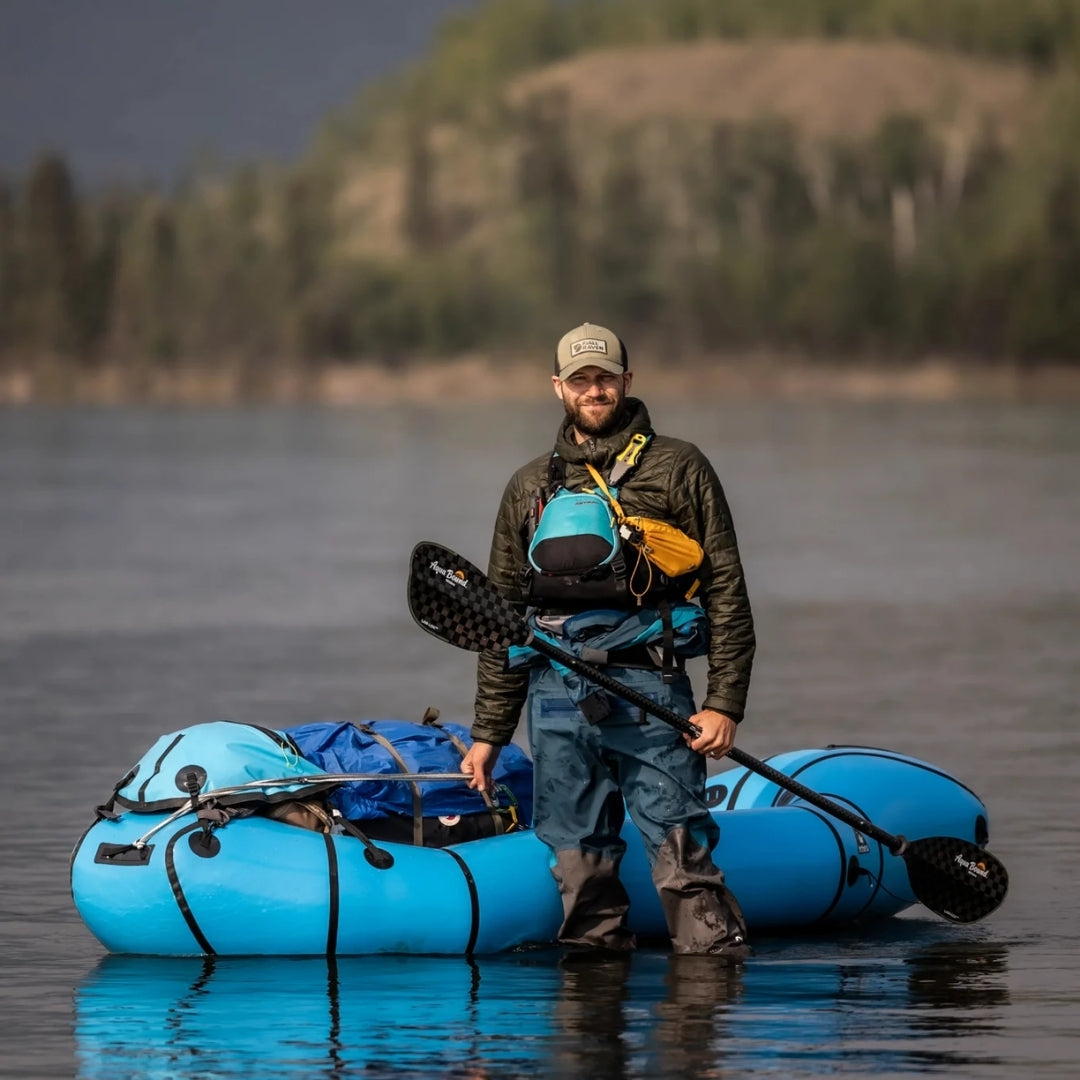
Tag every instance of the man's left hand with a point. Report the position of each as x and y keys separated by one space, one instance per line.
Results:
x=717 y=733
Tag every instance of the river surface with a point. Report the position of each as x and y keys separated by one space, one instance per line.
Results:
x=915 y=573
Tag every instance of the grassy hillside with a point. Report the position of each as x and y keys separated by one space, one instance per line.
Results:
x=671 y=99
x=830 y=90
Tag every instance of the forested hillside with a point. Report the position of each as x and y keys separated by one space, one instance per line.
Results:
x=858 y=179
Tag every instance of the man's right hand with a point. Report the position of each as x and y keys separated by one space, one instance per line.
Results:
x=479 y=761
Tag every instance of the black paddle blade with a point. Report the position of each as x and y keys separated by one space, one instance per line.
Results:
x=452 y=599
x=954 y=878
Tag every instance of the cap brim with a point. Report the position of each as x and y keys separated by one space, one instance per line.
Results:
x=591 y=360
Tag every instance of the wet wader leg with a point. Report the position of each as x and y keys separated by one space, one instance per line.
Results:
x=578 y=813
x=702 y=913
x=663 y=781
x=595 y=902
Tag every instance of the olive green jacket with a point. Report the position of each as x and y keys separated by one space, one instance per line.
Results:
x=673 y=481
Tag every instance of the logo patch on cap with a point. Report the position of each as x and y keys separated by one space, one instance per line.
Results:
x=588 y=345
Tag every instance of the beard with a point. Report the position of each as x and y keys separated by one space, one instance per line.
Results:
x=593 y=422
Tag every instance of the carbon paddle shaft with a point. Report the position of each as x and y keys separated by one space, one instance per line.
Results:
x=452 y=599
x=594 y=674
x=954 y=878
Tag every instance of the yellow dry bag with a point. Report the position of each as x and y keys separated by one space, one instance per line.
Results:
x=664 y=546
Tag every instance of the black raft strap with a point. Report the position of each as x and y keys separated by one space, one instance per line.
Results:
x=178 y=890
x=417 y=798
x=107 y=809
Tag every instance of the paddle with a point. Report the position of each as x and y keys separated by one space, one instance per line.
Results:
x=453 y=600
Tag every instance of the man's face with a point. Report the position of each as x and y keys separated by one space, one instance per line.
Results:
x=593 y=399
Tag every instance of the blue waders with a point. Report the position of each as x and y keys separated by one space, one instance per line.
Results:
x=583 y=771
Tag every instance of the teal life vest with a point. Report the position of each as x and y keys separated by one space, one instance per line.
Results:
x=577 y=558
x=576 y=551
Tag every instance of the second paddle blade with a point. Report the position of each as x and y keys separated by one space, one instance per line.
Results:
x=954 y=878
x=452 y=599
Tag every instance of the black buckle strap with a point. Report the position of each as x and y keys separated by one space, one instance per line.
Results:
x=668 y=660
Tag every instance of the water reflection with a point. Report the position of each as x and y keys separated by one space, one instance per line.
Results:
x=697 y=1021
x=958 y=986
x=792 y=1009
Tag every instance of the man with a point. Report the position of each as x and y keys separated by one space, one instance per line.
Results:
x=594 y=755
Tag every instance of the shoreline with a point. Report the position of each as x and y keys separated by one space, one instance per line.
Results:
x=478 y=378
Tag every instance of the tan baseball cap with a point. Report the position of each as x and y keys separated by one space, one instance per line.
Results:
x=590 y=345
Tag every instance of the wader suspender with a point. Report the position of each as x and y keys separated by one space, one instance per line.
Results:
x=431 y=719
x=667 y=662
x=417 y=798
x=556 y=478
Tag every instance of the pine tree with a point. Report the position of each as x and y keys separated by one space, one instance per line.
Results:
x=53 y=259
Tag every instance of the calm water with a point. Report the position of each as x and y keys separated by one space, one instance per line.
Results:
x=916 y=577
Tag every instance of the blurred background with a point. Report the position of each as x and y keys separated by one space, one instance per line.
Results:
x=842 y=239
x=218 y=202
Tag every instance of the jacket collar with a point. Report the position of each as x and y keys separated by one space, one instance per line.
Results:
x=601 y=453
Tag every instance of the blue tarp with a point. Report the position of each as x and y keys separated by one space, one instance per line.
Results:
x=344 y=748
